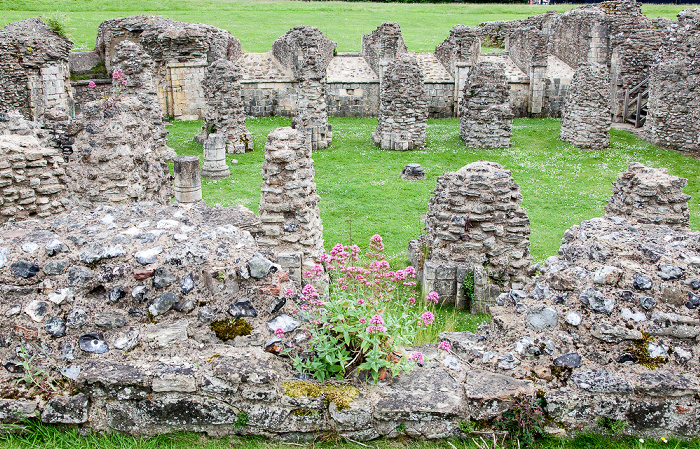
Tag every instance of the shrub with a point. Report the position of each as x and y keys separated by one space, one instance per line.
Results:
x=370 y=311
x=524 y=421
x=58 y=22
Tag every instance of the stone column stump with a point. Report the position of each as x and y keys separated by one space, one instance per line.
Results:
x=188 y=182
x=215 y=157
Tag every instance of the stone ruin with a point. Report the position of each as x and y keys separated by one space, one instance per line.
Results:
x=34 y=72
x=382 y=46
x=225 y=114
x=650 y=195
x=486 y=117
x=32 y=176
x=137 y=68
x=673 y=119
x=403 y=112
x=214 y=166
x=608 y=328
x=291 y=220
x=585 y=121
x=307 y=52
x=475 y=227
x=458 y=53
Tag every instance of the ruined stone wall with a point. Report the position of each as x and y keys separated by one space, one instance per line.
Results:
x=34 y=71
x=353 y=99
x=181 y=53
x=268 y=99
x=585 y=121
x=383 y=45
x=486 y=117
x=117 y=158
x=528 y=49
x=649 y=195
x=32 y=176
x=673 y=120
x=462 y=45
x=474 y=220
x=291 y=220
x=83 y=93
x=225 y=113
x=579 y=35
x=403 y=109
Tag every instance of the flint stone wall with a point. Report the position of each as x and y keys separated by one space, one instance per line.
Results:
x=34 y=70
x=486 y=117
x=403 y=110
x=585 y=122
x=674 y=107
x=649 y=195
x=116 y=159
x=224 y=112
x=291 y=220
x=474 y=221
x=528 y=49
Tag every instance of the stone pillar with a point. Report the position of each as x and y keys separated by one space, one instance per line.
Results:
x=224 y=113
x=585 y=121
x=188 y=183
x=458 y=53
x=291 y=220
x=403 y=107
x=215 y=157
x=307 y=52
x=474 y=226
x=486 y=116
x=382 y=46
x=650 y=195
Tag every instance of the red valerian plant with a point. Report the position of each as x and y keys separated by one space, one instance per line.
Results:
x=118 y=85
x=369 y=313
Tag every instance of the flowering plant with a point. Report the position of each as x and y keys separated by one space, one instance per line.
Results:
x=118 y=83
x=369 y=313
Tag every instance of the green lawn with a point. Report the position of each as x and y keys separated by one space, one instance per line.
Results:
x=362 y=193
x=258 y=23
x=51 y=437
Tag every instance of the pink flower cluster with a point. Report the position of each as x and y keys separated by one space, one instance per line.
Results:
x=418 y=357
x=426 y=319
x=444 y=345
x=376 y=328
x=279 y=332
x=433 y=297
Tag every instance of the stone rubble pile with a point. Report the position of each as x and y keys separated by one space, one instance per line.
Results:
x=674 y=106
x=307 y=52
x=403 y=109
x=650 y=195
x=291 y=220
x=486 y=117
x=586 y=120
x=475 y=227
x=224 y=112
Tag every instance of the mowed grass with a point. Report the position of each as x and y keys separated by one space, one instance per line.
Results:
x=42 y=436
x=362 y=193
x=258 y=23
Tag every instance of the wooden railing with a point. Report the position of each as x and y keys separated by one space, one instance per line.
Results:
x=635 y=107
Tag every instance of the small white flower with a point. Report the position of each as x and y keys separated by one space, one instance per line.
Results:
x=641 y=440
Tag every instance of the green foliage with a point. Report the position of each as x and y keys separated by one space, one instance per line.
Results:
x=468 y=287
x=341 y=395
x=613 y=426
x=524 y=421
x=34 y=377
x=401 y=428
x=241 y=420
x=58 y=22
x=97 y=72
x=467 y=426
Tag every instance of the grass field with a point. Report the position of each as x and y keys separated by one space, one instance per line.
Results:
x=51 y=437
x=258 y=23
x=362 y=193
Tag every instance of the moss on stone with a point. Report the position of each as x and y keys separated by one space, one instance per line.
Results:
x=641 y=351
x=342 y=396
x=229 y=329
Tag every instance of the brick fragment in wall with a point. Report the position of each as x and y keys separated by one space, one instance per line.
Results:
x=403 y=109
x=289 y=202
x=486 y=115
x=649 y=195
x=586 y=118
x=224 y=112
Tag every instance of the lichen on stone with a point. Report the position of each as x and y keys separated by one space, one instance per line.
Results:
x=640 y=349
